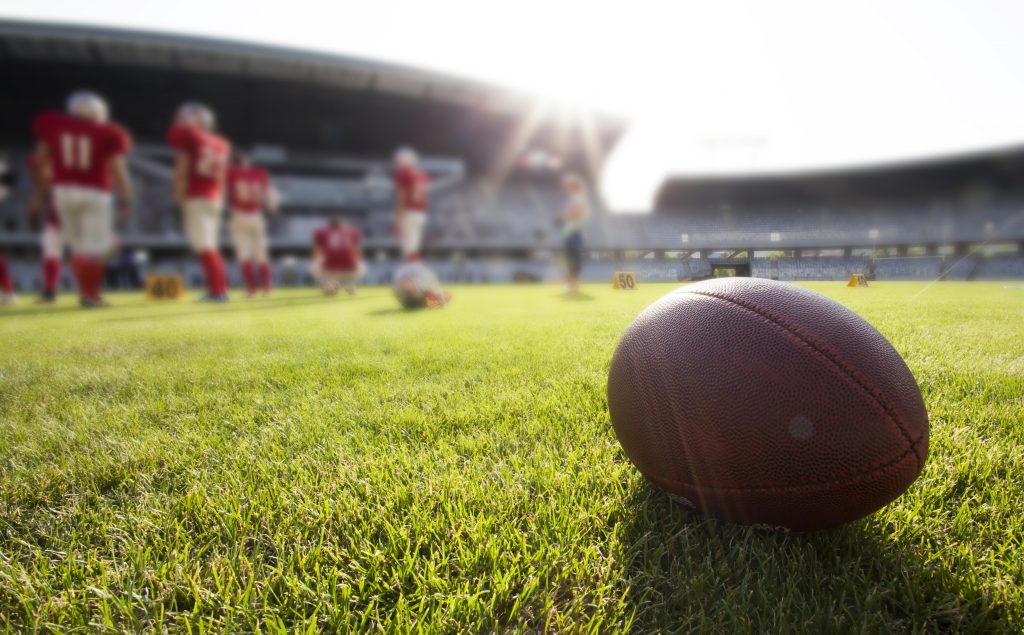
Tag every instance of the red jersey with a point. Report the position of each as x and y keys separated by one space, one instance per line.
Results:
x=339 y=247
x=48 y=211
x=247 y=189
x=81 y=150
x=413 y=185
x=207 y=160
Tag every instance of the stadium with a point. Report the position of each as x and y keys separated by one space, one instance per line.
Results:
x=342 y=464
x=494 y=210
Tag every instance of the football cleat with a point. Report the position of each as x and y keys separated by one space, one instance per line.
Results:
x=93 y=303
x=438 y=299
x=211 y=298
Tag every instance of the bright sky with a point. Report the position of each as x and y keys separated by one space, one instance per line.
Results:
x=708 y=86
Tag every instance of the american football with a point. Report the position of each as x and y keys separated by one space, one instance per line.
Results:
x=763 y=403
x=511 y=317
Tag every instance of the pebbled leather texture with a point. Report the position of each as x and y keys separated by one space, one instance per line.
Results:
x=760 y=402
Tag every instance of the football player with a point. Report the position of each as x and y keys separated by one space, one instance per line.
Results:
x=338 y=256
x=249 y=193
x=411 y=187
x=417 y=287
x=574 y=218
x=6 y=284
x=199 y=173
x=41 y=205
x=85 y=154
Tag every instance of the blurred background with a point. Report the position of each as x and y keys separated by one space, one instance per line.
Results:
x=786 y=140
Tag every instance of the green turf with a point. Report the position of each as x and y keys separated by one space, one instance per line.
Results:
x=303 y=463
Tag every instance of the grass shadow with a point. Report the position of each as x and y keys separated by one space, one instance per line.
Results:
x=394 y=311
x=683 y=572
x=41 y=310
x=237 y=306
x=576 y=297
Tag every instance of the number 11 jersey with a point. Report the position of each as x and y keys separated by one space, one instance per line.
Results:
x=81 y=150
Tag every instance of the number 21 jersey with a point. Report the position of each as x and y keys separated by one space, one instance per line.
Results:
x=207 y=160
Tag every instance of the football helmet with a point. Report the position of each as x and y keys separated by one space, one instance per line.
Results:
x=417 y=287
x=86 y=104
x=193 y=113
x=405 y=157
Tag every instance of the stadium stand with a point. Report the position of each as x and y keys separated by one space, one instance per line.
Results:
x=821 y=268
x=1003 y=267
x=924 y=268
x=963 y=268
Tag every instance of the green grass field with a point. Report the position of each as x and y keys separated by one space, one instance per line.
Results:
x=302 y=463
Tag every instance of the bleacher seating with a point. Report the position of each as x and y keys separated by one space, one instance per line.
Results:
x=767 y=228
x=915 y=268
x=961 y=268
x=1002 y=267
x=818 y=268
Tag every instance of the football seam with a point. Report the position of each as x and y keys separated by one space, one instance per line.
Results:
x=829 y=355
x=810 y=487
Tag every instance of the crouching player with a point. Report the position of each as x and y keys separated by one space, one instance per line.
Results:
x=249 y=193
x=417 y=287
x=85 y=153
x=41 y=205
x=338 y=256
x=199 y=174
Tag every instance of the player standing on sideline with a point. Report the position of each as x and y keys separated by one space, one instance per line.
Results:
x=249 y=193
x=411 y=186
x=338 y=256
x=199 y=173
x=41 y=205
x=574 y=217
x=85 y=154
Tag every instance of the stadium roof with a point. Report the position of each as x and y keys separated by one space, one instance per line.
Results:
x=27 y=41
x=56 y=58
x=988 y=173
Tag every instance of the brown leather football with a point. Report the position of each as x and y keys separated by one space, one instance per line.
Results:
x=759 y=402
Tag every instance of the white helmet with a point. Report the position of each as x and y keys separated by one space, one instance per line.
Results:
x=405 y=157
x=414 y=286
x=193 y=113
x=86 y=104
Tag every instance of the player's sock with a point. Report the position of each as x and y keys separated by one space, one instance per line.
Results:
x=78 y=271
x=51 y=274
x=6 y=284
x=222 y=274
x=88 y=274
x=249 y=276
x=265 y=278
x=97 y=269
x=206 y=259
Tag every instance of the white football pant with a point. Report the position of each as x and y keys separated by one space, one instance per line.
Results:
x=202 y=223
x=331 y=280
x=410 y=232
x=249 y=235
x=50 y=241
x=86 y=216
